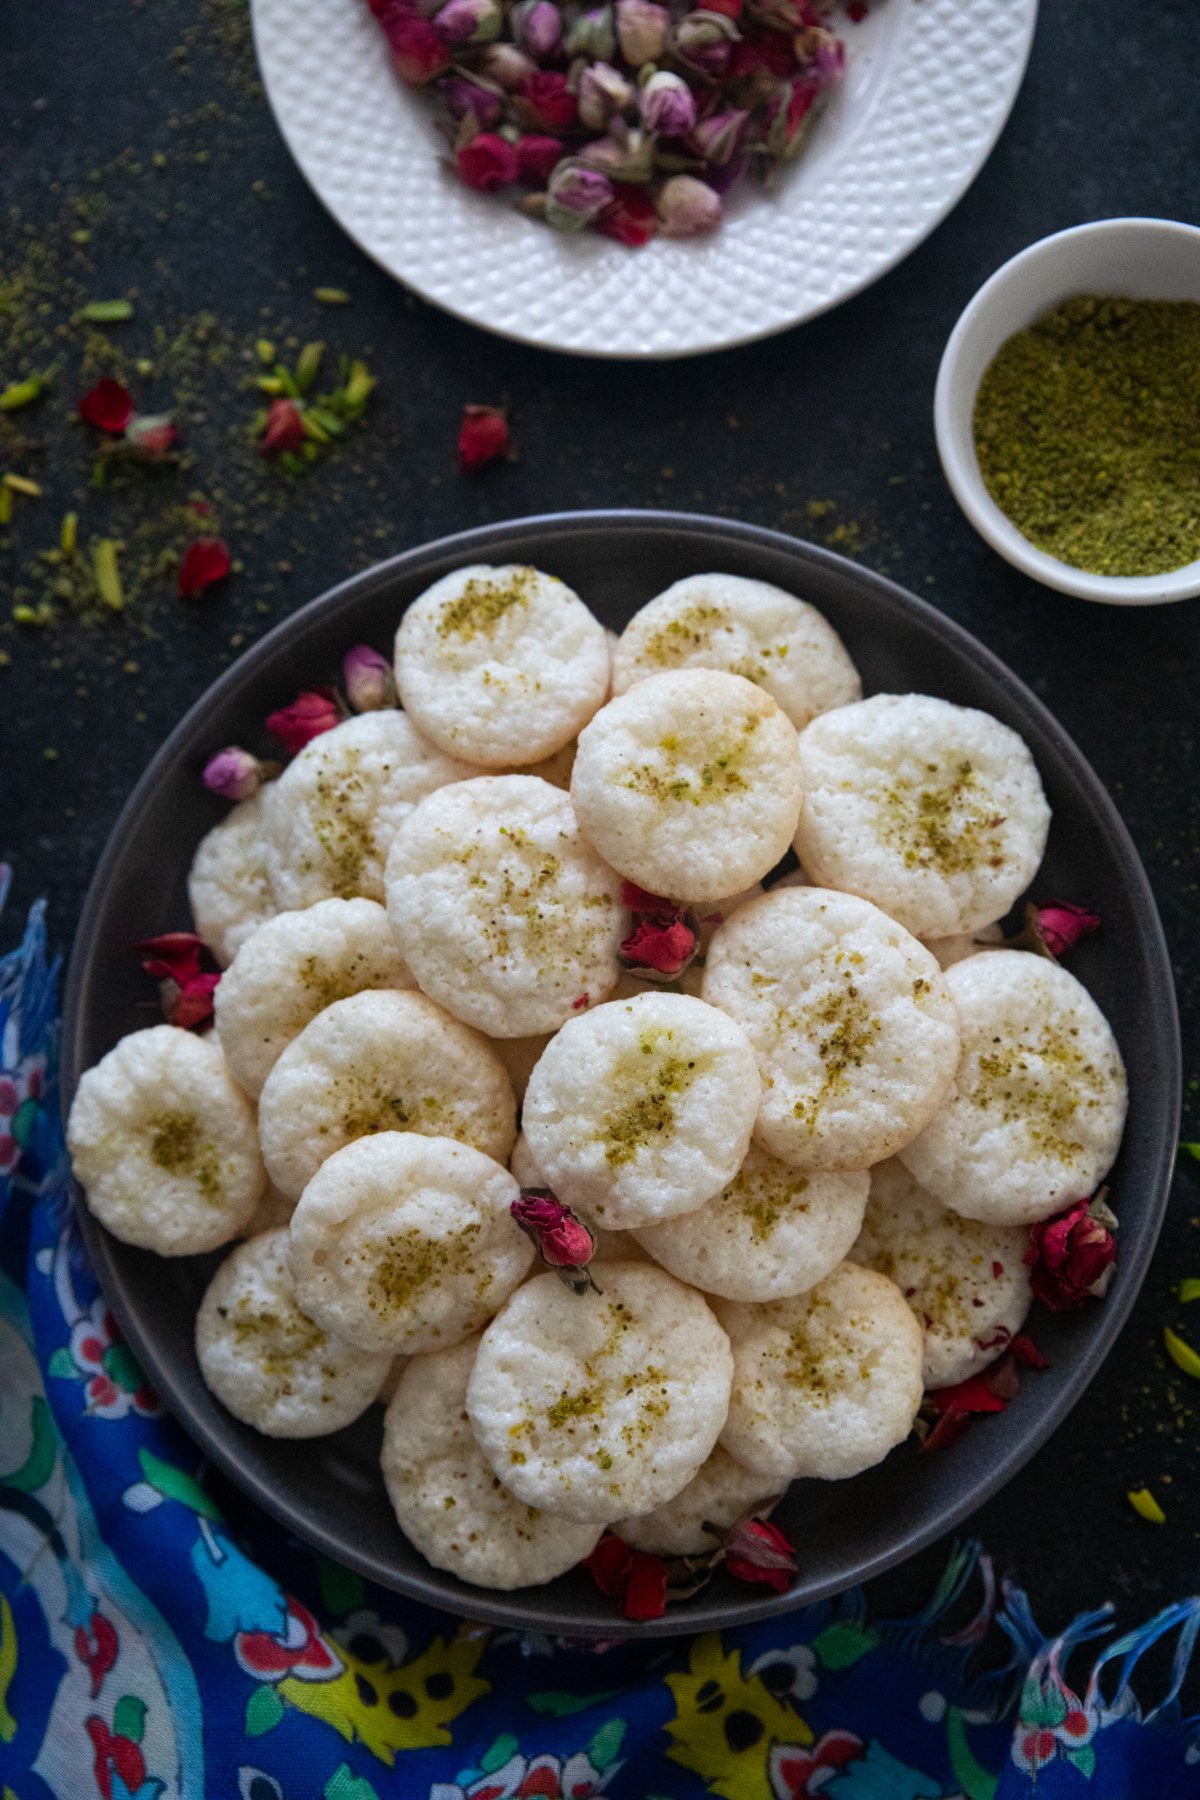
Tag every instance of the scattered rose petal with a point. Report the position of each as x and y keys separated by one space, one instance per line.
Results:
x=192 y=1004
x=1071 y=1258
x=482 y=436
x=637 y=1582
x=759 y=1552
x=108 y=406
x=204 y=562
x=185 y=989
x=988 y=1392
x=307 y=717
x=284 y=429
x=1027 y=1352
x=235 y=774
x=369 y=681
x=563 y=1241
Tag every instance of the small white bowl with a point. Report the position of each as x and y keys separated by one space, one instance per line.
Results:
x=1136 y=259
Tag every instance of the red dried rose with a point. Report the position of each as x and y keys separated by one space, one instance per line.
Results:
x=185 y=988
x=307 y=717
x=549 y=103
x=487 y=163
x=758 y=1552
x=637 y=1582
x=418 y=52
x=631 y=216
x=482 y=437
x=769 y=50
x=109 y=406
x=536 y=157
x=1027 y=1352
x=1061 y=925
x=204 y=562
x=988 y=1392
x=151 y=437
x=563 y=1241
x=1070 y=1258
x=665 y=946
x=284 y=429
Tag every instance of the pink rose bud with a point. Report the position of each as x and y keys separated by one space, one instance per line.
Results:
x=603 y=93
x=487 y=163
x=537 y=157
x=464 y=96
x=151 y=436
x=563 y=1242
x=624 y=156
x=418 y=51
x=235 y=774
x=641 y=31
x=469 y=21
x=1061 y=925
x=758 y=1552
x=704 y=41
x=688 y=207
x=823 y=53
x=368 y=678
x=507 y=66
x=593 y=34
x=537 y=26
x=1071 y=1258
x=787 y=116
x=307 y=717
x=667 y=105
x=284 y=429
x=721 y=136
x=575 y=196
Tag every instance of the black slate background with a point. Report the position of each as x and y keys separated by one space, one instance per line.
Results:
x=836 y=411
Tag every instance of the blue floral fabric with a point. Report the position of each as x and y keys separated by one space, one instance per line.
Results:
x=158 y=1641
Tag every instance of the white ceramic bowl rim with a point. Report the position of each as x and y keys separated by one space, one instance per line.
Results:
x=954 y=403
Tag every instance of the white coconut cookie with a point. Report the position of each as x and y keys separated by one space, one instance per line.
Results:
x=164 y=1144
x=229 y=889
x=381 y=1061
x=266 y=1361
x=501 y=665
x=507 y=915
x=722 y=1493
x=611 y=1246
x=772 y=1232
x=600 y=1406
x=746 y=628
x=850 y=1018
x=403 y=1243
x=1035 y=1115
x=689 y=784
x=448 y=1502
x=824 y=1384
x=642 y=1108
x=331 y=817
x=967 y=1283
x=935 y=812
x=292 y=968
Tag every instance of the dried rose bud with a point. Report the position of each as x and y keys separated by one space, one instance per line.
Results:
x=688 y=207
x=537 y=158
x=150 y=436
x=563 y=1242
x=469 y=21
x=1071 y=1258
x=787 y=115
x=284 y=430
x=205 y=562
x=631 y=219
x=603 y=93
x=482 y=437
x=575 y=196
x=593 y=34
x=309 y=715
x=732 y=9
x=536 y=26
x=504 y=64
x=1060 y=925
x=185 y=989
x=641 y=31
x=668 y=106
x=635 y=1580
x=191 y=1005
x=704 y=41
x=419 y=53
x=763 y=53
x=665 y=946
x=487 y=163
x=822 y=52
x=108 y=406
x=547 y=102
x=368 y=679
x=758 y=1552
x=626 y=155
x=235 y=774
x=721 y=136
x=463 y=96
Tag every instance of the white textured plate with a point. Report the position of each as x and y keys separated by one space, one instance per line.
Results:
x=929 y=86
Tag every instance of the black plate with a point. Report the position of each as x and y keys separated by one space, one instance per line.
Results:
x=328 y=1490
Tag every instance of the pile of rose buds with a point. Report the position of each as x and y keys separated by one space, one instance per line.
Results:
x=632 y=118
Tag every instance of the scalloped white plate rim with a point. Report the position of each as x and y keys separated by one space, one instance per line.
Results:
x=584 y=271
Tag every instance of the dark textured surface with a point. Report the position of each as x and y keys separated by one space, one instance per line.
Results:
x=838 y=411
